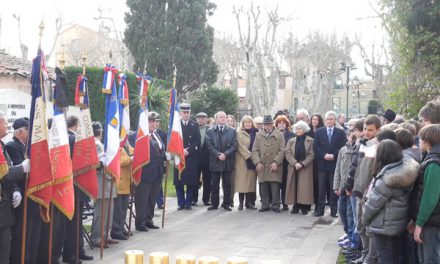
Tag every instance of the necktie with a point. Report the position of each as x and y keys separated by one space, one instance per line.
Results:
x=329 y=134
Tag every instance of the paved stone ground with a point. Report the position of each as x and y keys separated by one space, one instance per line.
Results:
x=282 y=237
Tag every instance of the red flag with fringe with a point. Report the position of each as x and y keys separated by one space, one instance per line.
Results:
x=39 y=187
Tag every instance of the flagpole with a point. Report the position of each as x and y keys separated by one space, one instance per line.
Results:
x=50 y=235
x=108 y=209
x=131 y=198
x=102 y=213
x=25 y=204
x=103 y=174
x=170 y=168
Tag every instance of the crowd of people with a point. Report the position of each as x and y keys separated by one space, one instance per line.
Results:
x=378 y=173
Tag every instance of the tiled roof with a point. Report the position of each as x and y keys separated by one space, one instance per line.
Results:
x=18 y=67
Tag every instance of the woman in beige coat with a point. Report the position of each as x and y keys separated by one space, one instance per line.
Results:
x=245 y=175
x=299 y=153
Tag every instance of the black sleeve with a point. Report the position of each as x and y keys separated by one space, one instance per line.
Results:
x=14 y=153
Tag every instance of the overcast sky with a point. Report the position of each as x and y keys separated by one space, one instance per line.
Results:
x=341 y=16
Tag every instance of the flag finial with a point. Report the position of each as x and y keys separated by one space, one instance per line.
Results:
x=61 y=59
x=41 y=32
x=84 y=60
x=174 y=75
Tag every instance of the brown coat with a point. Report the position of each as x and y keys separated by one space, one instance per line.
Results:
x=266 y=151
x=123 y=188
x=305 y=174
x=245 y=179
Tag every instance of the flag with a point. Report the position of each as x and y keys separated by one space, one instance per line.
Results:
x=81 y=92
x=62 y=188
x=175 y=136
x=39 y=187
x=112 y=160
x=124 y=109
x=141 y=155
x=4 y=168
x=143 y=90
x=60 y=92
x=85 y=158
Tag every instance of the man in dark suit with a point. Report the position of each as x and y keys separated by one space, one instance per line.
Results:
x=71 y=227
x=327 y=143
x=148 y=189
x=203 y=161
x=191 y=145
x=222 y=144
x=16 y=149
x=10 y=196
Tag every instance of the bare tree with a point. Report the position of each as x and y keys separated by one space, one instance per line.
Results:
x=314 y=67
x=23 y=47
x=258 y=38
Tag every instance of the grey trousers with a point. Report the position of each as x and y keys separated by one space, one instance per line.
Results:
x=267 y=189
x=119 y=214
x=145 y=199
x=98 y=217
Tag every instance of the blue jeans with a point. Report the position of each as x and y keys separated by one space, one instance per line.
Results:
x=355 y=239
x=346 y=214
x=429 y=251
x=387 y=248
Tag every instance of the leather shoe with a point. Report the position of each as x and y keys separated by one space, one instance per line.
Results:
x=276 y=210
x=151 y=226
x=212 y=208
x=317 y=214
x=334 y=215
x=181 y=207
x=263 y=210
x=125 y=232
x=227 y=208
x=194 y=203
x=71 y=261
x=142 y=229
x=84 y=256
x=285 y=207
x=96 y=245
x=119 y=237
x=188 y=208
x=251 y=207
x=160 y=207
x=207 y=203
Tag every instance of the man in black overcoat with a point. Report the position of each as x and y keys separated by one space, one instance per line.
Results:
x=222 y=144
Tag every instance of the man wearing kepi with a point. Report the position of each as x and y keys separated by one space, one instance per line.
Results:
x=268 y=155
x=10 y=196
x=191 y=145
x=222 y=144
x=16 y=149
x=147 y=191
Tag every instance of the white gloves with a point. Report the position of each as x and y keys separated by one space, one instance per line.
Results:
x=16 y=199
x=168 y=155
x=26 y=166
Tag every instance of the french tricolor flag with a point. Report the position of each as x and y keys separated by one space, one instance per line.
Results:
x=175 y=136
x=112 y=126
x=141 y=155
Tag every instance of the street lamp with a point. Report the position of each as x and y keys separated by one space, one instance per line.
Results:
x=355 y=83
x=347 y=67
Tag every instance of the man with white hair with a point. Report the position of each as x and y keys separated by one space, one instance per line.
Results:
x=328 y=141
x=302 y=114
